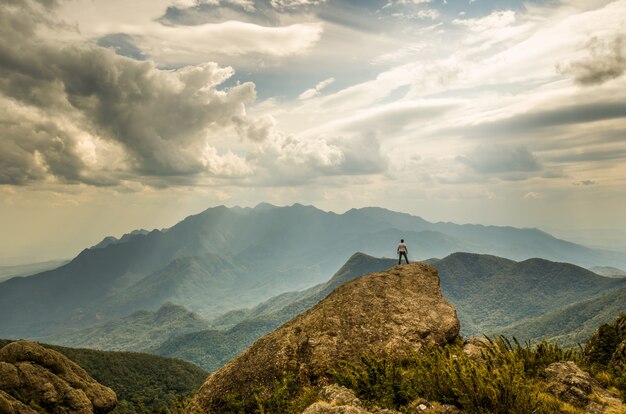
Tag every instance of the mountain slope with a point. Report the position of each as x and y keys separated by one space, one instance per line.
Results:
x=491 y=292
x=572 y=324
x=211 y=349
x=264 y=251
x=608 y=271
x=137 y=332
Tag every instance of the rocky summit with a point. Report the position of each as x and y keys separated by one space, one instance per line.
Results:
x=35 y=379
x=396 y=311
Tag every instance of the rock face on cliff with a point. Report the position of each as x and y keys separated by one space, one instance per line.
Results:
x=395 y=311
x=34 y=376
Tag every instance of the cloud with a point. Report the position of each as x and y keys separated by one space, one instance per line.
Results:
x=606 y=60
x=244 y=33
x=176 y=45
x=495 y=20
x=533 y=195
x=310 y=93
x=295 y=4
x=291 y=160
x=508 y=163
x=84 y=114
x=586 y=183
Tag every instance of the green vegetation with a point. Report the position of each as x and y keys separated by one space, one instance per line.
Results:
x=605 y=355
x=137 y=332
x=491 y=293
x=572 y=324
x=505 y=380
x=285 y=397
x=143 y=383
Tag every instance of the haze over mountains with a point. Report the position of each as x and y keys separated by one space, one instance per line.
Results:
x=490 y=293
x=227 y=259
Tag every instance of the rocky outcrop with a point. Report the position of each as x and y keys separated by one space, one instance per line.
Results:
x=476 y=348
x=335 y=399
x=397 y=311
x=574 y=386
x=31 y=375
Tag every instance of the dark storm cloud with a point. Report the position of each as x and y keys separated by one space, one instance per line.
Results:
x=159 y=119
x=606 y=60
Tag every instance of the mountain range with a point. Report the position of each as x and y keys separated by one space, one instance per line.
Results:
x=227 y=259
x=531 y=300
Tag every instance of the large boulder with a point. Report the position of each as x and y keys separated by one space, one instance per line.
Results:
x=574 y=386
x=31 y=375
x=397 y=311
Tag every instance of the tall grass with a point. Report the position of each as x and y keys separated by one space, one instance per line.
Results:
x=503 y=381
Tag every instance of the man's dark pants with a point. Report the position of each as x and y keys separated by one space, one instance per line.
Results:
x=400 y=254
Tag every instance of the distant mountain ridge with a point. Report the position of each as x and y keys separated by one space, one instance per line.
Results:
x=492 y=292
x=136 y=332
x=112 y=240
x=224 y=259
x=487 y=292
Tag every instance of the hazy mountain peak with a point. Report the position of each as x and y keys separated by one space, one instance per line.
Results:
x=109 y=240
x=265 y=207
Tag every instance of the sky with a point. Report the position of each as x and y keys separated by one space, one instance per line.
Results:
x=118 y=115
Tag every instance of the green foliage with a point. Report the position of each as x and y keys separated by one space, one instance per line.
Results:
x=602 y=345
x=286 y=396
x=600 y=350
x=375 y=378
x=504 y=380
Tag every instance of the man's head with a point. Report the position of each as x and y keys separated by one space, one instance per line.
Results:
x=401 y=240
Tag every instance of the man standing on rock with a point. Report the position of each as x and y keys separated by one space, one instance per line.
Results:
x=402 y=251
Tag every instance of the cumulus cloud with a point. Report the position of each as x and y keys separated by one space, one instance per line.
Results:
x=291 y=160
x=84 y=114
x=606 y=60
